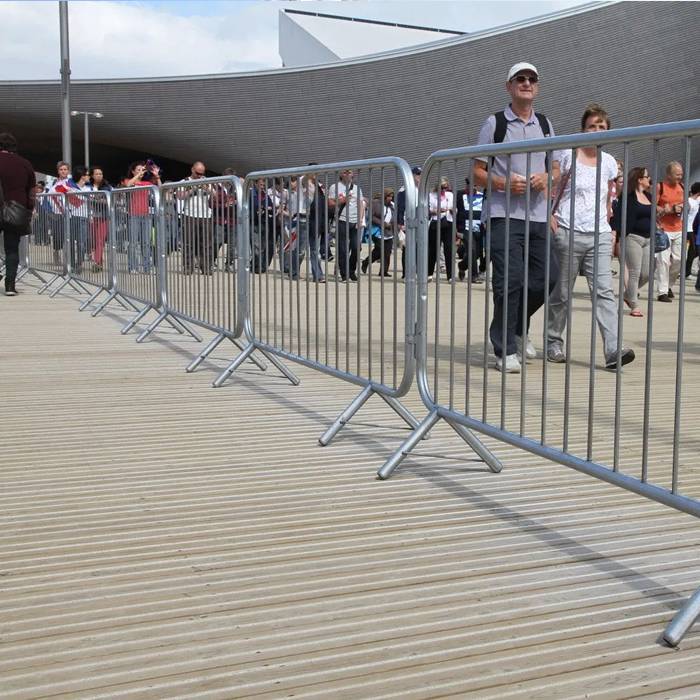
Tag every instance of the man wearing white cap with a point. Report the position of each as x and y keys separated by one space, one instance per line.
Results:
x=517 y=122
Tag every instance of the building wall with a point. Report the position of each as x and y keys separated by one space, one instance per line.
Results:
x=408 y=105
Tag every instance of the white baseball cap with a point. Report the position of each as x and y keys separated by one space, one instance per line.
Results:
x=519 y=67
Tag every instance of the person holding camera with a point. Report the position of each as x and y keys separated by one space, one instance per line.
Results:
x=141 y=174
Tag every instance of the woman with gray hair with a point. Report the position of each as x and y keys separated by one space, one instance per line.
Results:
x=18 y=191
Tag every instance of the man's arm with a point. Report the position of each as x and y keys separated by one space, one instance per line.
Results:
x=518 y=184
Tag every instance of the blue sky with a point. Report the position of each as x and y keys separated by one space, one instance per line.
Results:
x=113 y=39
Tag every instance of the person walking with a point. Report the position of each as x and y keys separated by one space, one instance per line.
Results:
x=517 y=122
x=345 y=198
x=99 y=218
x=584 y=244
x=382 y=232
x=670 y=197
x=18 y=191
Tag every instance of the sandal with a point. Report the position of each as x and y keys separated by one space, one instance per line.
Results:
x=636 y=313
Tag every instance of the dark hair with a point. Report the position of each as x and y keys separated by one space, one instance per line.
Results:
x=594 y=110
x=695 y=188
x=8 y=142
x=92 y=177
x=78 y=172
x=633 y=177
x=229 y=171
x=132 y=167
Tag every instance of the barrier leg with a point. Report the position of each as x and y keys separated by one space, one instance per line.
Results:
x=78 y=287
x=683 y=621
x=63 y=284
x=136 y=319
x=481 y=450
x=205 y=353
x=414 y=438
x=281 y=367
x=400 y=410
x=21 y=273
x=126 y=303
x=90 y=299
x=144 y=334
x=49 y=283
x=182 y=327
x=233 y=366
x=36 y=274
x=355 y=405
x=258 y=363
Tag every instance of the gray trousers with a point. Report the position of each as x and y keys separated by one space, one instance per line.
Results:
x=637 y=250
x=583 y=261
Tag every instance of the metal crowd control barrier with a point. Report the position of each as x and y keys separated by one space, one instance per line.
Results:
x=314 y=298
x=532 y=402
x=203 y=278
x=48 y=244
x=138 y=258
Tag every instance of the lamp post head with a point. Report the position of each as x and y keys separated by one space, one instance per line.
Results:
x=98 y=115
x=74 y=113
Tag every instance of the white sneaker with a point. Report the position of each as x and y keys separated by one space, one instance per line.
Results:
x=530 y=352
x=510 y=365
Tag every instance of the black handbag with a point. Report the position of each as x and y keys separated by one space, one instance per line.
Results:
x=13 y=216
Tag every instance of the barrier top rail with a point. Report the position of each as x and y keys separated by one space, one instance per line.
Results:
x=690 y=127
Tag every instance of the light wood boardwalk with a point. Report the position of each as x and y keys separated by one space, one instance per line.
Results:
x=163 y=539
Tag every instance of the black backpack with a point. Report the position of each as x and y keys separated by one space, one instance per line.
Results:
x=499 y=133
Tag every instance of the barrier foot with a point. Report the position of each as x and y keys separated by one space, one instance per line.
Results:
x=400 y=410
x=126 y=303
x=258 y=363
x=181 y=327
x=233 y=366
x=136 y=319
x=144 y=334
x=36 y=274
x=90 y=299
x=683 y=621
x=481 y=450
x=49 y=283
x=78 y=287
x=205 y=353
x=414 y=438
x=21 y=273
x=280 y=366
x=63 y=284
x=355 y=405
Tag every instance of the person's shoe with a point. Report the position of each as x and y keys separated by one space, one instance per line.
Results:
x=353 y=277
x=365 y=265
x=530 y=352
x=478 y=280
x=462 y=274
x=510 y=364
x=556 y=354
x=664 y=297
x=670 y=293
x=626 y=356
x=320 y=280
x=430 y=279
x=386 y=273
x=10 y=290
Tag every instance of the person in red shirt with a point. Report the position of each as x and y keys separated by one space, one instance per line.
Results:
x=18 y=185
x=670 y=197
x=141 y=220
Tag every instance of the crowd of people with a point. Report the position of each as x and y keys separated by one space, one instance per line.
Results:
x=325 y=220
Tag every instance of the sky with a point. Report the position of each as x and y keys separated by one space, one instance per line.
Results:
x=133 y=39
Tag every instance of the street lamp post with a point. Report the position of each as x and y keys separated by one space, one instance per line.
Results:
x=86 y=121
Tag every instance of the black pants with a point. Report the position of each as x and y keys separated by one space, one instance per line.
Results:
x=388 y=244
x=436 y=236
x=347 y=243
x=692 y=254
x=58 y=225
x=477 y=252
x=539 y=240
x=196 y=243
x=11 y=241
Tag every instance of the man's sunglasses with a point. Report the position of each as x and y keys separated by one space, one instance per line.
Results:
x=532 y=79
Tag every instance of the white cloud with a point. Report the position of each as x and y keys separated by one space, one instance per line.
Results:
x=111 y=39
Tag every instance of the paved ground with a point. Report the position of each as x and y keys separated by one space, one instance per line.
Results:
x=164 y=539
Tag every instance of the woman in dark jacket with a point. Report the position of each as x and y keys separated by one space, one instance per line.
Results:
x=99 y=223
x=18 y=185
x=383 y=221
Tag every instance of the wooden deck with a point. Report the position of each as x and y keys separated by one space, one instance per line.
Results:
x=162 y=539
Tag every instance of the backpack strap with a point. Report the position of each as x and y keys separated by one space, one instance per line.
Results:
x=499 y=133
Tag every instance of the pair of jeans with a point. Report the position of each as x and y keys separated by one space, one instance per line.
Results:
x=79 y=241
x=346 y=250
x=637 y=251
x=225 y=234
x=378 y=244
x=575 y=256
x=262 y=243
x=306 y=239
x=511 y=290
x=139 y=251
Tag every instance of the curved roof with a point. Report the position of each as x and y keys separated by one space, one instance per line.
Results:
x=407 y=102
